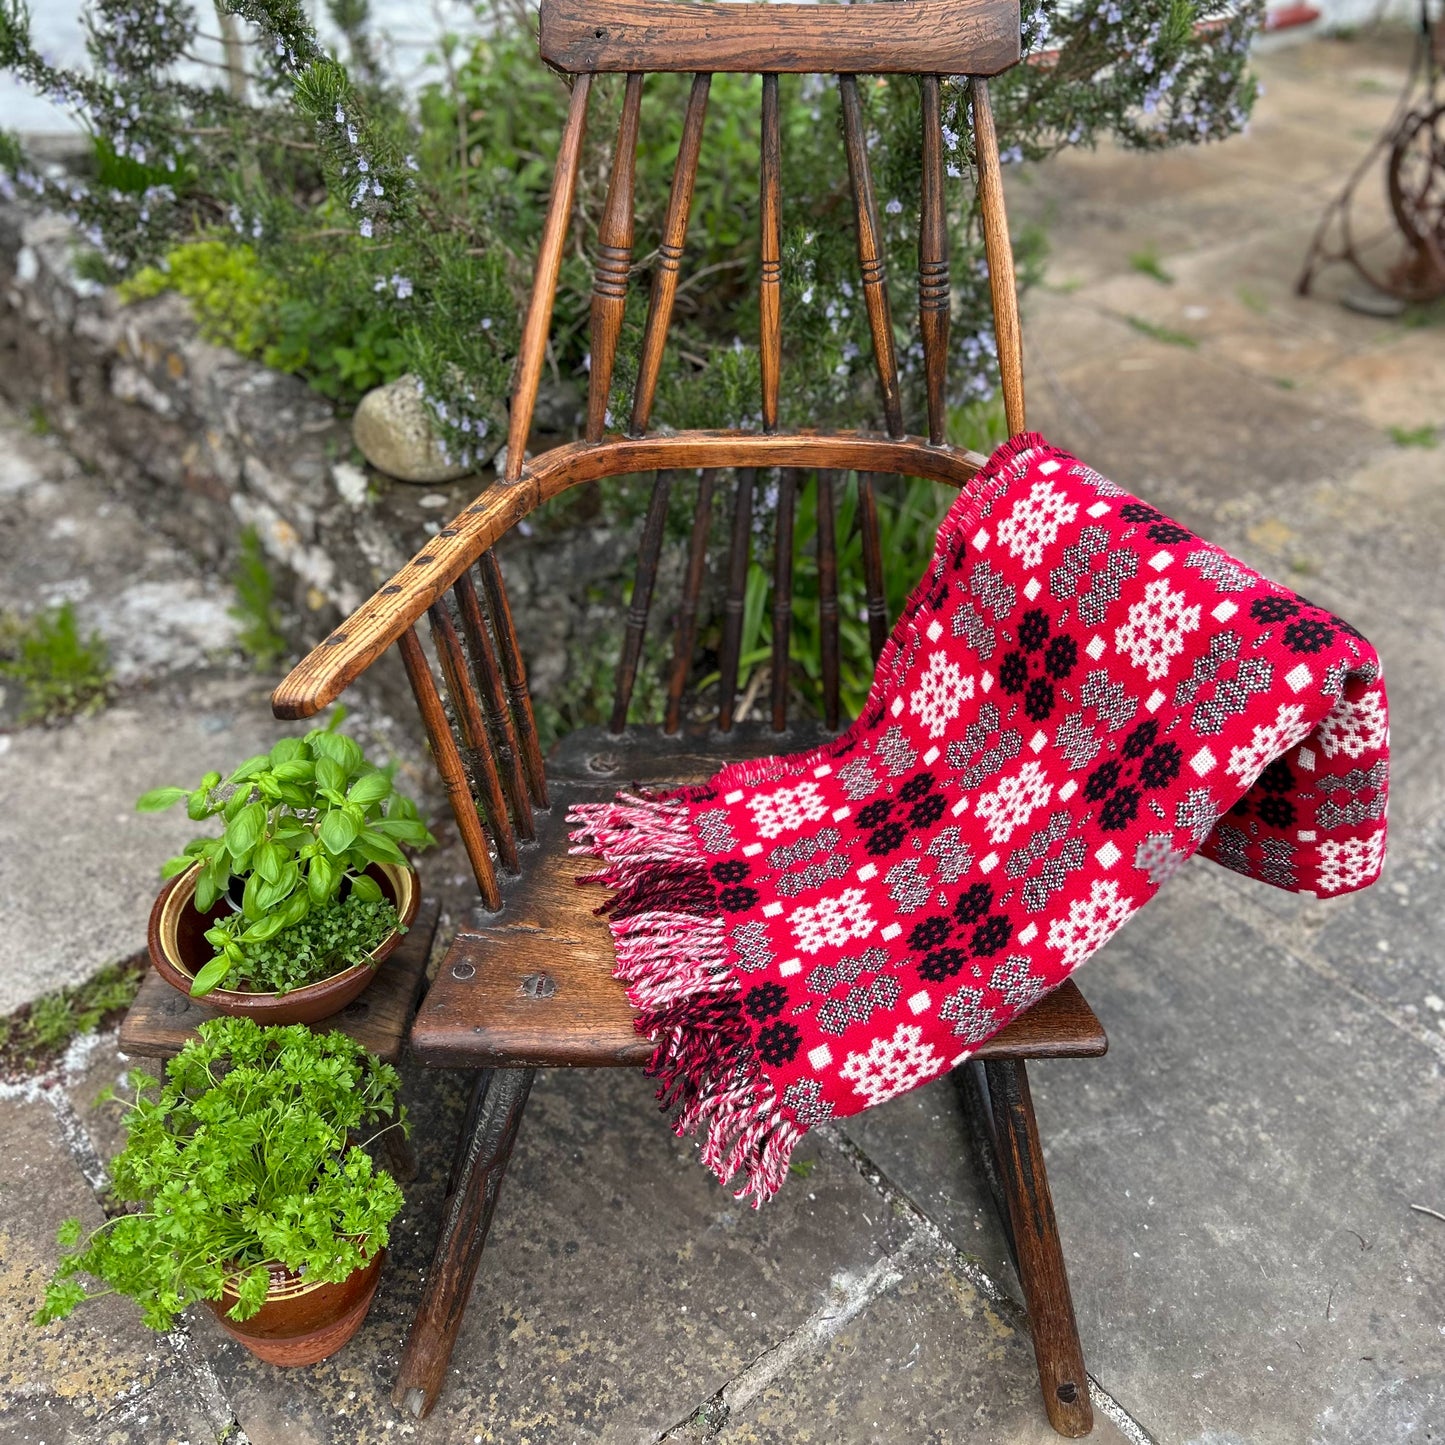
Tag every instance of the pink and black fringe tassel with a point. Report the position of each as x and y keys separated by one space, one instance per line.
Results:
x=672 y=953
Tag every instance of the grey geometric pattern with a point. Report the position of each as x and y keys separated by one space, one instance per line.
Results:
x=1008 y=746
x=1334 y=679
x=1020 y=859
x=968 y=622
x=859 y=1006
x=1119 y=566
x=1354 y=809
x=1050 y=878
x=894 y=752
x=1097 y=480
x=964 y=1009
x=975 y=735
x=858 y=779
x=1253 y=675
x=1226 y=574
x=1109 y=699
x=1064 y=579
x=1223 y=646
x=814 y=876
x=954 y=856
x=1076 y=741
x=1014 y=981
x=907 y=887
x=1277 y=866
x=826 y=977
x=993 y=593
x=801 y=1096
x=715 y=831
x=786 y=855
x=1232 y=847
x=1157 y=857
x=1197 y=812
x=751 y=942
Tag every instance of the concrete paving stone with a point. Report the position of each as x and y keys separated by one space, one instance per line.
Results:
x=1235 y=1181
x=1401 y=384
x=930 y=1362
x=620 y=1287
x=60 y=921
x=100 y=1367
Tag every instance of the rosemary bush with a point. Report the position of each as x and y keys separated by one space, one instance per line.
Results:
x=244 y=1159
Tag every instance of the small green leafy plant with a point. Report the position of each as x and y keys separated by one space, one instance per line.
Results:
x=300 y=821
x=255 y=606
x=61 y=673
x=37 y=1033
x=329 y=939
x=244 y=1160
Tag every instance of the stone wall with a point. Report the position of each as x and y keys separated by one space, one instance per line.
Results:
x=203 y=442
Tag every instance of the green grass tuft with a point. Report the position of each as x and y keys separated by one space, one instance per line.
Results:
x=1419 y=436
x=1147 y=263
x=1166 y=334
x=61 y=673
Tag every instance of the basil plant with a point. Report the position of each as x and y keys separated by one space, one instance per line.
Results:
x=300 y=821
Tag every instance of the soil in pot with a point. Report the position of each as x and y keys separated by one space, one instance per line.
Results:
x=178 y=951
x=300 y=1324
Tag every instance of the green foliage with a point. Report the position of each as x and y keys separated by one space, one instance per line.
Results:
x=1147 y=263
x=298 y=822
x=61 y=673
x=1167 y=334
x=244 y=1159
x=34 y=1035
x=229 y=292
x=255 y=606
x=1417 y=436
x=329 y=940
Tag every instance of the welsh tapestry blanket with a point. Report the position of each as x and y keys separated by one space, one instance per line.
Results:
x=1078 y=696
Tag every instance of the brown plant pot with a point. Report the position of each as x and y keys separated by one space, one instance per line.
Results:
x=179 y=950
x=300 y=1324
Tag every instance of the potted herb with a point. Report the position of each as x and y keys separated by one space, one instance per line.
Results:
x=247 y=1190
x=285 y=916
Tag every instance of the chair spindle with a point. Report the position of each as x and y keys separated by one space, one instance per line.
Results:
x=687 y=607
x=488 y=675
x=669 y=256
x=533 y=349
x=934 y=291
x=473 y=728
x=872 y=565
x=614 y=260
x=770 y=289
x=499 y=614
x=783 y=594
x=828 y=599
x=1000 y=256
x=870 y=254
x=449 y=766
x=730 y=653
x=637 y=610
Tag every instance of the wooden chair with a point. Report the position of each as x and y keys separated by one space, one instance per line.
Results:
x=529 y=983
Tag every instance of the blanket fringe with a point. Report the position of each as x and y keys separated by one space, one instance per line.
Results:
x=672 y=953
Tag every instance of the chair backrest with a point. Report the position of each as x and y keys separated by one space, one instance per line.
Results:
x=487 y=751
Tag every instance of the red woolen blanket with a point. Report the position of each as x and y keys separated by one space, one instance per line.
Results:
x=1078 y=696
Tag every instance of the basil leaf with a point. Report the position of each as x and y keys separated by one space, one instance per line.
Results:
x=159 y=799
x=211 y=976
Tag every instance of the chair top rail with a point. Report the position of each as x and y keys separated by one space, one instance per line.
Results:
x=918 y=37
x=328 y=669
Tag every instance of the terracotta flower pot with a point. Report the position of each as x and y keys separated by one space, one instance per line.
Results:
x=302 y=1323
x=179 y=950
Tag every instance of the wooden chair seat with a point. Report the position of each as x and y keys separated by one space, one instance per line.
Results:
x=532 y=985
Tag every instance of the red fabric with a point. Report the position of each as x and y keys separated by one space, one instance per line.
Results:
x=1079 y=695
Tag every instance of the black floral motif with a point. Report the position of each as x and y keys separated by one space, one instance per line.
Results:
x=1272 y=609
x=886 y=839
x=875 y=813
x=973 y=903
x=730 y=870
x=916 y=787
x=1306 y=634
x=738 y=898
x=1141 y=739
x=943 y=963
x=1039 y=699
x=927 y=811
x=1139 y=512
x=1034 y=629
x=1168 y=533
x=1120 y=810
x=1276 y=778
x=1013 y=673
x=1162 y=766
x=991 y=935
x=766 y=1000
x=778 y=1043
x=1061 y=657
x=1275 y=810
x=930 y=932
x=1102 y=781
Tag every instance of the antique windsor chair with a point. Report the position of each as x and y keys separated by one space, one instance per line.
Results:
x=528 y=982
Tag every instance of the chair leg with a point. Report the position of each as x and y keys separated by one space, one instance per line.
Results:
x=484 y=1148
x=1038 y=1252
